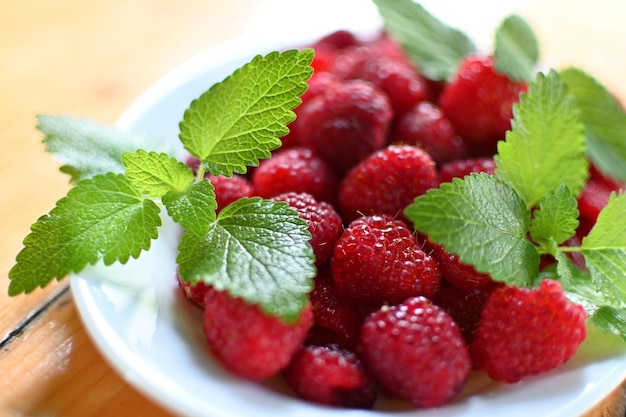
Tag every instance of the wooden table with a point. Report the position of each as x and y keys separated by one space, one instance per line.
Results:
x=92 y=59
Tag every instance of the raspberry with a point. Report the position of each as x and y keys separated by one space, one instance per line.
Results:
x=325 y=225
x=452 y=270
x=248 y=342
x=332 y=376
x=594 y=196
x=295 y=170
x=386 y=182
x=346 y=123
x=230 y=189
x=416 y=352
x=404 y=86
x=464 y=305
x=318 y=83
x=462 y=167
x=478 y=101
x=193 y=292
x=339 y=39
x=336 y=319
x=424 y=125
x=377 y=260
x=526 y=332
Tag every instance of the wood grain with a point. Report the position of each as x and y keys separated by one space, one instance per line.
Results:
x=92 y=59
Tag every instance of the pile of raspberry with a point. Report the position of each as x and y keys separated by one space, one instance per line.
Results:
x=392 y=314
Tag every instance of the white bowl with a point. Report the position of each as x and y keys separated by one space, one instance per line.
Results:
x=153 y=337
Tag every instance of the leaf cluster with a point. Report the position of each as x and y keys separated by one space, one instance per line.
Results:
x=255 y=249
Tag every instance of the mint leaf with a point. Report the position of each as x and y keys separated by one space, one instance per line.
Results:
x=556 y=218
x=516 y=51
x=607 y=316
x=604 y=119
x=604 y=249
x=610 y=319
x=87 y=148
x=100 y=218
x=240 y=120
x=483 y=221
x=435 y=47
x=156 y=174
x=193 y=208
x=546 y=146
x=257 y=250
x=564 y=267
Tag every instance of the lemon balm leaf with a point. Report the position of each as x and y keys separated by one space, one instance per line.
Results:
x=604 y=119
x=434 y=46
x=87 y=148
x=607 y=315
x=156 y=174
x=240 y=120
x=546 y=144
x=516 y=50
x=556 y=218
x=194 y=207
x=257 y=250
x=102 y=218
x=604 y=249
x=484 y=222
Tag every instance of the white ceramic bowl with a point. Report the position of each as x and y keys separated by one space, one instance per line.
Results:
x=153 y=337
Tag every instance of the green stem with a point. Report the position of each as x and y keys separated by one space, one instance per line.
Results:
x=200 y=173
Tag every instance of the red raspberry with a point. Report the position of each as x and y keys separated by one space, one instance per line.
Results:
x=452 y=270
x=350 y=61
x=332 y=376
x=248 y=342
x=378 y=260
x=478 y=102
x=325 y=225
x=295 y=170
x=346 y=123
x=193 y=292
x=416 y=352
x=594 y=196
x=425 y=126
x=324 y=58
x=526 y=332
x=337 y=321
x=318 y=83
x=386 y=182
x=462 y=167
x=230 y=189
x=404 y=86
x=465 y=305
x=338 y=40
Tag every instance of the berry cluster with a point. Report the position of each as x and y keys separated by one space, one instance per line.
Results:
x=392 y=313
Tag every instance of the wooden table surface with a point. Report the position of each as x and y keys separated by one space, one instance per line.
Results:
x=92 y=59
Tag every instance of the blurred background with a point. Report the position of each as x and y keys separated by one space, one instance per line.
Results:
x=93 y=58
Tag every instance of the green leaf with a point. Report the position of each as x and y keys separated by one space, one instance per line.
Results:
x=156 y=174
x=435 y=47
x=257 y=250
x=100 y=218
x=87 y=148
x=484 y=222
x=605 y=314
x=240 y=120
x=516 y=51
x=610 y=319
x=604 y=119
x=556 y=218
x=193 y=208
x=546 y=146
x=604 y=249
